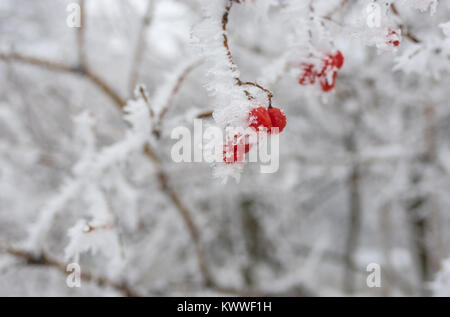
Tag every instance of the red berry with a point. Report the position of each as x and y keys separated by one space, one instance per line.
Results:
x=339 y=59
x=267 y=118
x=308 y=77
x=330 y=63
x=326 y=86
x=278 y=118
x=234 y=150
x=259 y=117
x=393 y=38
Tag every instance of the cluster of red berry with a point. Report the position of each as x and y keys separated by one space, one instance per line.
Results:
x=262 y=117
x=393 y=38
x=258 y=118
x=326 y=74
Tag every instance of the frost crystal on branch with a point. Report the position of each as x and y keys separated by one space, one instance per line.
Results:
x=94 y=167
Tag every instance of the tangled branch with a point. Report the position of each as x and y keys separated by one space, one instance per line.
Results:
x=163 y=178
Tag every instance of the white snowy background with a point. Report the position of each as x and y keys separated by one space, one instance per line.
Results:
x=86 y=174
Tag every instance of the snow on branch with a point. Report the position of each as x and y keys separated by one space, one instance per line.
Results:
x=88 y=172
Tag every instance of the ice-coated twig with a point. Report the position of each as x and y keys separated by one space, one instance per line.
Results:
x=90 y=168
x=403 y=27
x=61 y=67
x=140 y=46
x=149 y=152
x=225 y=18
x=336 y=9
x=43 y=259
x=165 y=95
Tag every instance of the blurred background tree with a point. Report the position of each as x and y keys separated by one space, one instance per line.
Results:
x=86 y=117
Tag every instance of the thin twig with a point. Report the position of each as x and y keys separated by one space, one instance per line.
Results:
x=335 y=10
x=233 y=66
x=339 y=258
x=162 y=176
x=267 y=91
x=435 y=216
x=106 y=88
x=205 y=114
x=403 y=27
x=140 y=47
x=184 y=212
x=52 y=65
x=224 y=33
x=354 y=216
x=143 y=94
x=81 y=31
x=174 y=91
x=61 y=67
x=45 y=260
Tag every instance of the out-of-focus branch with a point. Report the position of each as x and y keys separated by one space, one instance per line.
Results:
x=61 y=67
x=338 y=258
x=299 y=291
x=354 y=216
x=36 y=61
x=81 y=36
x=403 y=27
x=386 y=242
x=422 y=207
x=43 y=259
x=341 y=4
x=180 y=205
x=184 y=212
x=143 y=93
x=419 y=233
x=174 y=91
x=205 y=114
x=349 y=159
x=140 y=47
x=105 y=87
x=162 y=176
x=435 y=214
x=353 y=227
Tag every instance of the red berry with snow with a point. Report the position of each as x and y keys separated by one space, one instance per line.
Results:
x=339 y=59
x=278 y=118
x=328 y=84
x=326 y=74
x=259 y=117
x=308 y=76
x=393 y=38
x=235 y=149
x=267 y=118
